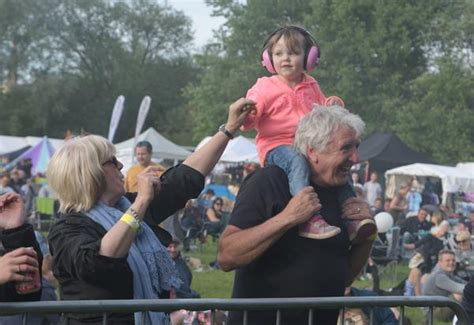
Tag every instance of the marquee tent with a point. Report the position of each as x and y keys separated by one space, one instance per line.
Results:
x=162 y=148
x=9 y=144
x=385 y=151
x=239 y=149
x=468 y=167
x=453 y=179
x=39 y=154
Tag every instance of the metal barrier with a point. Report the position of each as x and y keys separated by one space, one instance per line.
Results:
x=277 y=304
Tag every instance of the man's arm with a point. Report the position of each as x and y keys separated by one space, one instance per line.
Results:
x=442 y=281
x=239 y=247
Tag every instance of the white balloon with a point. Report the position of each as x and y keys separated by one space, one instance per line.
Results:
x=384 y=221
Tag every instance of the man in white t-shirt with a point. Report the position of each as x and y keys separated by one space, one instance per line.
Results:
x=372 y=189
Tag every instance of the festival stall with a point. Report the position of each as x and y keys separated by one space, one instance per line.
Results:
x=39 y=154
x=453 y=179
x=162 y=148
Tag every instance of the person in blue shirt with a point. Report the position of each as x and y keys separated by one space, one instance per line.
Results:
x=382 y=315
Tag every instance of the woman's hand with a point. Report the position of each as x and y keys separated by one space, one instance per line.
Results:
x=17 y=264
x=238 y=111
x=12 y=211
x=149 y=183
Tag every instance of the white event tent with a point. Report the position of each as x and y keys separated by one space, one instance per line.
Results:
x=239 y=149
x=453 y=179
x=162 y=148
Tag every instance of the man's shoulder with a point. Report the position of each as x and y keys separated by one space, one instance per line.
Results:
x=135 y=168
x=270 y=173
x=265 y=182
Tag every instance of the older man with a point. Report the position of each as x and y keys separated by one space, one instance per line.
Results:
x=143 y=152
x=442 y=282
x=262 y=240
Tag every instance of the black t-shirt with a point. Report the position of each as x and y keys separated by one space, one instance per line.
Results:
x=413 y=225
x=294 y=266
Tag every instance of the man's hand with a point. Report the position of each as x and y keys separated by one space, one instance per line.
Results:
x=302 y=206
x=356 y=209
x=12 y=211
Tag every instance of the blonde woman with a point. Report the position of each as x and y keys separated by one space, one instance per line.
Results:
x=103 y=245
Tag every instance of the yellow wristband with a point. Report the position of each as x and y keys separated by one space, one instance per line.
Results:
x=131 y=221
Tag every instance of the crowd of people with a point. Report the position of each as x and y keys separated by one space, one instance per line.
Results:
x=306 y=204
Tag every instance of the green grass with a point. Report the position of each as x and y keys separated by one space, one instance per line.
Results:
x=210 y=283
x=218 y=284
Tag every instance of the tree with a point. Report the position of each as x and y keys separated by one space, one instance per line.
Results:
x=439 y=117
x=377 y=55
x=232 y=65
x=102 y=49
x=23 y=40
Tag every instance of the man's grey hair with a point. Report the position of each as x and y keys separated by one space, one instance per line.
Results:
x=316 y=128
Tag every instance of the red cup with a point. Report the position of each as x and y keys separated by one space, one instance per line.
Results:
x=30 y=286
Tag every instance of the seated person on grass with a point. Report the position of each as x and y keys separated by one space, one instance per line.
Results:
x=443 y=282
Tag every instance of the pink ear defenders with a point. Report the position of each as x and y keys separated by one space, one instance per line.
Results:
x=311 y=56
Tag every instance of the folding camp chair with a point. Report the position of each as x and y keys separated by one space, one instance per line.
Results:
x=387 y=263
x=44 y=211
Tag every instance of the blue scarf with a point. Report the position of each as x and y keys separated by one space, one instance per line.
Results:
x=152 y=267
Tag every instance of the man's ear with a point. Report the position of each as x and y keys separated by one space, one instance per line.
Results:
x=312 y=154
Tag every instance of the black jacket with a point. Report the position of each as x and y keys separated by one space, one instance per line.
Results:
x=12 y=239
x=75 y=240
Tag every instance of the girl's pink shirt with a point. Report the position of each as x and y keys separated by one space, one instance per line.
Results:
x=279 y=109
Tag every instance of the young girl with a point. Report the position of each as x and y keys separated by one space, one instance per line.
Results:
x=281 y=100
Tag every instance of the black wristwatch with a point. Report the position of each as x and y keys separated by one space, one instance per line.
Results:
x=226 y=132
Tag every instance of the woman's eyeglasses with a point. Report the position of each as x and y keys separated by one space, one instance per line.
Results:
x=113 y=161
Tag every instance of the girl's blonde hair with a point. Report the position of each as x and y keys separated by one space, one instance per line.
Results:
x=75 y=172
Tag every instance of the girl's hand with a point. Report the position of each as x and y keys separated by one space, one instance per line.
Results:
x=12 y=211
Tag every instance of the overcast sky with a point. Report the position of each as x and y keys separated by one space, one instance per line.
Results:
x=203 y=23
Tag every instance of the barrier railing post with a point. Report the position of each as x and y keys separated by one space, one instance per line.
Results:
x=310 y=316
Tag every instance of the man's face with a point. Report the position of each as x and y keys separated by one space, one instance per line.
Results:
x=422 y=214
x=374 y=177
x=173 y=250
x=143 y=156
x=4 y=180
x=447 y=262
x=332 y=167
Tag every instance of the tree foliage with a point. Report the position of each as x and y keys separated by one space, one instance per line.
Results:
x=404 y=66
x=381 y=57
x=101 y=50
